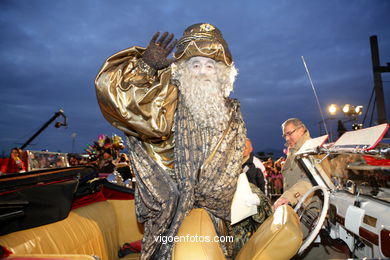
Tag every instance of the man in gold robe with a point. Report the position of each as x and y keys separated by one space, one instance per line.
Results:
x=185 y=136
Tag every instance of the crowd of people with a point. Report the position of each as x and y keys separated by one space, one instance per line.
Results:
x=265 y=174
x=106 y=155
x=107 y=162
x=273 y=171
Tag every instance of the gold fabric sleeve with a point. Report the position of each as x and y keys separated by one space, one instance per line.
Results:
x=135 y=98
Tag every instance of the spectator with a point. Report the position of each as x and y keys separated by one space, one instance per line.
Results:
x=277 y=180
x=253 y=167
x=106 y=165
x=122 y=160
x=295 y=181
x=13 y=164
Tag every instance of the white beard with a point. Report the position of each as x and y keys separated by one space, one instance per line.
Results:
x=203 y=96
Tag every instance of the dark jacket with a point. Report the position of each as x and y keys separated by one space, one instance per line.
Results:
x=254 y=174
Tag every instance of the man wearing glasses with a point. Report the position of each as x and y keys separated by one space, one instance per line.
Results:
x=295 y=181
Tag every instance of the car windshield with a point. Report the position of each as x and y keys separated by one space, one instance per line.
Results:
x=39 y=160
x=366 y=174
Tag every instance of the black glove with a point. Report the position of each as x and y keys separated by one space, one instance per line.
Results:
x=157 y=52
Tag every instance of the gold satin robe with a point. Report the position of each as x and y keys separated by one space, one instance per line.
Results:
x=138 y=101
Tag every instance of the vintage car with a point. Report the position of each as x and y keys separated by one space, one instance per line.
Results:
x=349 y=202
x=355 y=170
x=54 y=211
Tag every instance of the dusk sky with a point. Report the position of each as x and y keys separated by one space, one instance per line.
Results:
x=51 y=51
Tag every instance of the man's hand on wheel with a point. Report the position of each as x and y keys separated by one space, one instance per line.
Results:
x=281 y=201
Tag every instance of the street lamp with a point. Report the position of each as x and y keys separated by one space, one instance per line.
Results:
x=350 y=111
x=359 y=110
x=332 y=109
x=346 y=108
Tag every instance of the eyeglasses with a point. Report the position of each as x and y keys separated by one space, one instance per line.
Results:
x=291 y=132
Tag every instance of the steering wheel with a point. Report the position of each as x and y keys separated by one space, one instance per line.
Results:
x=312 y=217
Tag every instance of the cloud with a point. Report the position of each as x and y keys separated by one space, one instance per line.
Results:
x=51 y=51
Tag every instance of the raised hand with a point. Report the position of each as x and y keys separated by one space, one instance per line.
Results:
x=156 y=54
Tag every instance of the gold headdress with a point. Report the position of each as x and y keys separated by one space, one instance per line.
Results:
x=205 y=40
